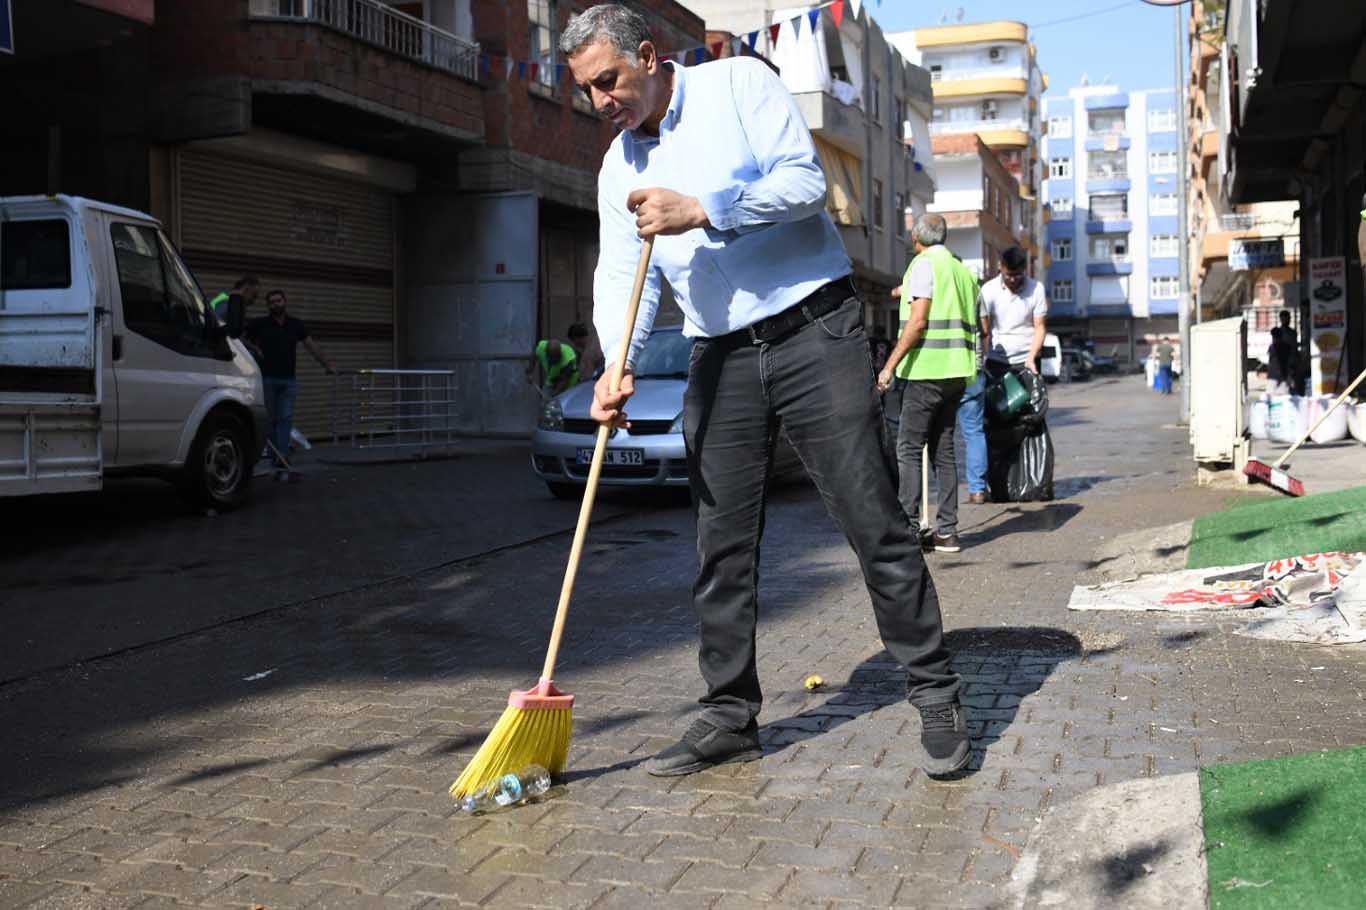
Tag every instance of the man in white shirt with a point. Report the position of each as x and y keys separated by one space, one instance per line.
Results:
x=1014 y=312
x=716 y=163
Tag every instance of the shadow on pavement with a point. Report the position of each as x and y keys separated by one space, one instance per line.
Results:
x=999 y=666
x=1013 y=519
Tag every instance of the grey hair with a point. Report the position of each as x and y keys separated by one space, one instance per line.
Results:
x=621 y=26
x=930 y=229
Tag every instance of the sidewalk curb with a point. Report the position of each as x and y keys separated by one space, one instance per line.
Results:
x=1137 y=845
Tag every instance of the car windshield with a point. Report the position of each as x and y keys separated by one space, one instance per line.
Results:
x=665 y=356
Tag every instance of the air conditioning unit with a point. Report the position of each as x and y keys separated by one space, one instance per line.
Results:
x=988 y=110
x=996 y=54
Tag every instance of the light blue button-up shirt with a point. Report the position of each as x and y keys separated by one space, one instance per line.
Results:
x=734 y=139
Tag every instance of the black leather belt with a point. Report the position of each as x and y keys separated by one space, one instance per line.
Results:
x=823 y=300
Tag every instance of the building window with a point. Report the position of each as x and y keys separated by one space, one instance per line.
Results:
x=1060 y=127
x=1112 y=247
x=1062 y=290
x=1162 y=162
x=1061 y=208
x=936 y=72
x=899 y=215
x=1164 y=287
x=1110 y=207
x=877 y=204
x=1163 y=245
x=1162 y=121
x=1108 y=166
x=1062 y=249
x=900 y=123
x=541 y=39
x=1060 y=168
x=1162 y=204
x=1106 y=123
x=877 y=100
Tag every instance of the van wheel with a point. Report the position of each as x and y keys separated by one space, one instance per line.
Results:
x=218 y=471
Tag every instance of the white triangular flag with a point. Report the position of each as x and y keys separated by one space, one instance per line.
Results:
x=855 y=5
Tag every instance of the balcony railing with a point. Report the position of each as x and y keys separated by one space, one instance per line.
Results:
x=1106 y=214
x=381 y=25
x=977 y=126
x=1106 y=132
x=1000 y=71
x=1107 y=173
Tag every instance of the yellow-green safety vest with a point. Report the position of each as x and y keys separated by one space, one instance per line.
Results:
x=947 y=350
x=569 y=360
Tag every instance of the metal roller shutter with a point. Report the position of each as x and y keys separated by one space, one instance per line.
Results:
x=327 y=242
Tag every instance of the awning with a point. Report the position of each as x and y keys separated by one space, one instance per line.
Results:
x=843 y=179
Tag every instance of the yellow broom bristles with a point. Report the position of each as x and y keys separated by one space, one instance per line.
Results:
x=522 y=736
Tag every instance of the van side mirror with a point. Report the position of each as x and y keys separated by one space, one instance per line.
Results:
x=235 y=316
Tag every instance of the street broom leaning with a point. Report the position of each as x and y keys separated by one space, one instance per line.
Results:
x=536 y=725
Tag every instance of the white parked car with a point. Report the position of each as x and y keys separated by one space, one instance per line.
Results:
x=111 y=361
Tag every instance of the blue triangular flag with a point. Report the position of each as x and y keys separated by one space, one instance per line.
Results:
x=484 y=64
x=753 y=38
x=521 y=69
x=699 y=55
x=814 y=16
x=559 y=71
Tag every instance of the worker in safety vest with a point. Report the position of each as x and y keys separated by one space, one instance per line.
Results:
x=936 y=356
x=556 y=362
x=247 y=287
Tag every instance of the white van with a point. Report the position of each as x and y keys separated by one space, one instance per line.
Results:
x=1050 y=358
x=111 y=361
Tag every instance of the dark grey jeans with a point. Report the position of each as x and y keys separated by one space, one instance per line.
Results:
x=929 y=411
x=817 y=384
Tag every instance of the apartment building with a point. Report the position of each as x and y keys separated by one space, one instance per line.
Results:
x=1113 y=271
x=980 y=201
x=987 y=82
x=419 y=176
x=868 y=110
x=1244 y=258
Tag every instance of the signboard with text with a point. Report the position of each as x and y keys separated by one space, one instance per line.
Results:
x=1327 y=322
x=1244 y=255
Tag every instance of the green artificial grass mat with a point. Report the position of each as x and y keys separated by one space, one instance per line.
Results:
x=1286 y=833
x=1289 y=526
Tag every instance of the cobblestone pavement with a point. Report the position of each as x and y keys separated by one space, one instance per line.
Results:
x=301 y=759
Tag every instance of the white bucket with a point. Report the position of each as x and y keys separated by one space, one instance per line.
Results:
x=1356 y=420
x=1284 y=420
x=1334 y=426
x=1150 y=372
x=1257 y=417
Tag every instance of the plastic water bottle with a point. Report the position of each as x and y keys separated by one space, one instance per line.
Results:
x=508 y=790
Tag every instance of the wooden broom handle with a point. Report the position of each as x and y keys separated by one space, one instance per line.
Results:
x=590 y=490
x=1322 y=417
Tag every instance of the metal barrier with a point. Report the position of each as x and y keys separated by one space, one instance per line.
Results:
x=374 y=409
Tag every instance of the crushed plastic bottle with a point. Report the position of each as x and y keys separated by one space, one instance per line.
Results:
x=508 y=790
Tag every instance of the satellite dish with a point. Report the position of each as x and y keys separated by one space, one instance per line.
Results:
x=960 y=14
x=944 y=17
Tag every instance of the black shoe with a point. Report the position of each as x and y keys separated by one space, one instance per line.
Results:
x=944 y=543
x=926 y=538
x=944 y=738
x=704 y=745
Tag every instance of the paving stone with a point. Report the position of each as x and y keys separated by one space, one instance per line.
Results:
x=345 y=899
x=344 y=872
x=627 y=897
x=777 y=853
x=705 y=877
x=613 y=870
x=431 y=881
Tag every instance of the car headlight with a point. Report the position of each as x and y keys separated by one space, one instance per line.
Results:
x=552 y=416
x=677 y=425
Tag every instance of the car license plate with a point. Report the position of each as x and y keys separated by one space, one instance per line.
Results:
x=613 y=456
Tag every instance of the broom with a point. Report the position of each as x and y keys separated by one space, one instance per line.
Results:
x=1271 y=474
x=536 y=725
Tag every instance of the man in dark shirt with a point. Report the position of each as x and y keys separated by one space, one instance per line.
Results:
x=1281 y=360
x=277 y=336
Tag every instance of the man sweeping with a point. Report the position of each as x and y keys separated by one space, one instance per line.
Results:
x=716 y=164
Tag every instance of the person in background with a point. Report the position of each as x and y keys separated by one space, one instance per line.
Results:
x=971 y=413
x=1165 y=354
x=247 y=287
x=589 y=355
x=1282 y=357
x=935 y=353
x=277 y=336
x=554 y=365
x=1014 y=314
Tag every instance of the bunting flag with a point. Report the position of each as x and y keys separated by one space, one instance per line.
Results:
x=509 y=64
x=815 y=17
x=753 y=38
x=716 y=50
x=855 y=5
x=521 y=69
x=535 y=69
x=773 y=32
x=837 y=12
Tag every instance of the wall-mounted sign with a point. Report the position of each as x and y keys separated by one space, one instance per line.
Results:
x=1255 y=254
x=1327 y=321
